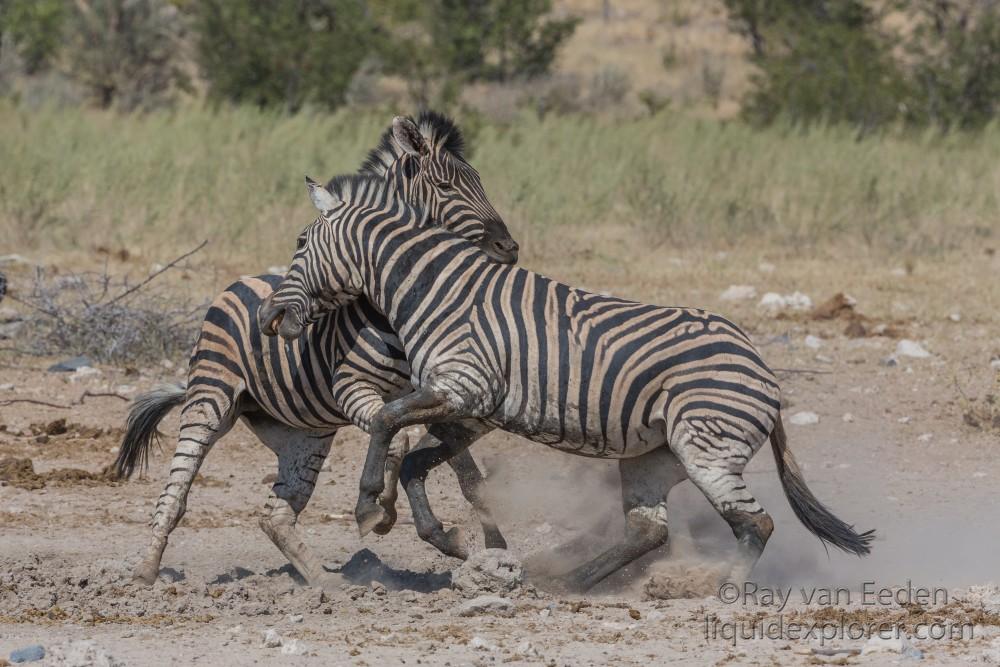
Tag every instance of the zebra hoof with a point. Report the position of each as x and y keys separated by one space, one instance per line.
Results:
x=145 y=575
x=370 y=517
x=454 y=543
x=385 y=525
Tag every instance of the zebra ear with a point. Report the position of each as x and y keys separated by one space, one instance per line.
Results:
x=321 y=198
x=407 y=135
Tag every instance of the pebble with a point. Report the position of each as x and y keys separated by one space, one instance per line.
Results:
x=482 y=644
x=847 y=418
x=900 y=645
x=278 y=270
x=804 y=418
x=292 y=647
x=995 y=363
x=271 y=638
x=294 y=618
x=7 y=386
x=925 y=437
x=911 y=348
x=889 y=362
x=955 y=317
x=774 y=303
x=487 y=605
x=27 y=654
x=527 y=650
x=739 y=293
x=813 y=342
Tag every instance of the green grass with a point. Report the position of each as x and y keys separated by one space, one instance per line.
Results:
x=71 y=178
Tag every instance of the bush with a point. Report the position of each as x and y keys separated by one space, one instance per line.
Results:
x=818 y=60
x=281 y=53
x=955 y=48
x=126 y=52
x=34 y=29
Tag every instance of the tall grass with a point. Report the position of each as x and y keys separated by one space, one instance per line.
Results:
x=72 y=178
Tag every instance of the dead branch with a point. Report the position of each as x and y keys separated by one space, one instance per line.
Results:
x=155 y=274
x=12 y=401
x=99 y=394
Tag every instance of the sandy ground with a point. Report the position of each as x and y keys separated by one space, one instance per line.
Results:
x=905 y=461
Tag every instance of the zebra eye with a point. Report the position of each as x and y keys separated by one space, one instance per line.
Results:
x=444 y=186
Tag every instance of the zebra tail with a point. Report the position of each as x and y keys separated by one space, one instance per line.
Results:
x=811 y=512
x=147 y=411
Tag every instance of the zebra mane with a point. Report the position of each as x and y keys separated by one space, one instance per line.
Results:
x=353 y=187
x=440 y=131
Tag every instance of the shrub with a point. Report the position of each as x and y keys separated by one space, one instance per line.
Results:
x=281 y=53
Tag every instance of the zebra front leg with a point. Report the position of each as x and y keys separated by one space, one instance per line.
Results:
x=202 y=424
x=420 y=407
x=442 y=443
x=472 y=483
x=646 y=482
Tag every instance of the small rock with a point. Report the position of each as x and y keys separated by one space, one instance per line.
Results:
x=526 y=649
x=904 y=420
x=889 y=362
x=271 y=638
x=277 y=270
x=7 y=386
x=487 y=605
x=813 y=342
x=995 y=363
x=489 y=571
x=739 y=293
x=84 y=373
x=294 y=618
x=774 y=303
x=482 y=644
x=898 y=644
x=378 y=588
x=955 y=317
x=70 y=365
x=292 y=647
x=804 y=418
x=925 y=437
x=27 y=654
x=911 y=348
x=847 y=418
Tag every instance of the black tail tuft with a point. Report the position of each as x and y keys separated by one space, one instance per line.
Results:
x=811 y=512
x=147 y=411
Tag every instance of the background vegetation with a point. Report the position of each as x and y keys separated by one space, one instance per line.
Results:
x=806 y=124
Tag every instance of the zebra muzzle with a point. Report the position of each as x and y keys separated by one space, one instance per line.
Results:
x=279 y=320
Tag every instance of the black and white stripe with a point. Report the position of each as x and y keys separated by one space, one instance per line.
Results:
x=671 y=392
x=290 y=393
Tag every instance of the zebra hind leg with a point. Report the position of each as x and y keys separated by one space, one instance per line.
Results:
x=300 y=457
x=714 y=453
x=646 y=482
x=204 y=419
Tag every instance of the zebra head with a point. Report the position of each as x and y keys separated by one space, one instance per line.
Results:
x=322 y=276
x=423 y=159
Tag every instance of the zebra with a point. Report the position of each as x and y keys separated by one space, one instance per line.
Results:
x=672 y=393
x=289 y=395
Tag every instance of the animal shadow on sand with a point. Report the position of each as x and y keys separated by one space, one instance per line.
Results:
x=365 y=567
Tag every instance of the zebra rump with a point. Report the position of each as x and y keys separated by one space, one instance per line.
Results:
x=811 y=512
x=146 y=413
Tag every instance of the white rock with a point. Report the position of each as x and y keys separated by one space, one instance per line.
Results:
x=804 y=418
x=487 y=605
x=911 y=348
x=482 y=644
x=292 y=647
x=281 y=270
x=7 y=386
x=739 y=293
x=774 y=303
x=813 y=342
x=995 y=363
x=489 y=571
x=84 y=373
x=979 y=474
x=294 y=618
x=955 y=317
x=847 y=418
x=925 y=437
x=905 y=420
x=271 y=638
x=894 y=644
x=527 y=649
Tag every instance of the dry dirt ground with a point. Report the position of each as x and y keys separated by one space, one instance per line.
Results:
x=916 y=458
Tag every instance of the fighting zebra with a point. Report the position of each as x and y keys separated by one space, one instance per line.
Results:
x=672 y=393
x=290 y=395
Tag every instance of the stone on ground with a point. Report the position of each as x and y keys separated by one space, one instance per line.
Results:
x=494 y=571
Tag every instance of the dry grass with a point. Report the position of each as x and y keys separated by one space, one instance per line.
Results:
x=152 y=184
